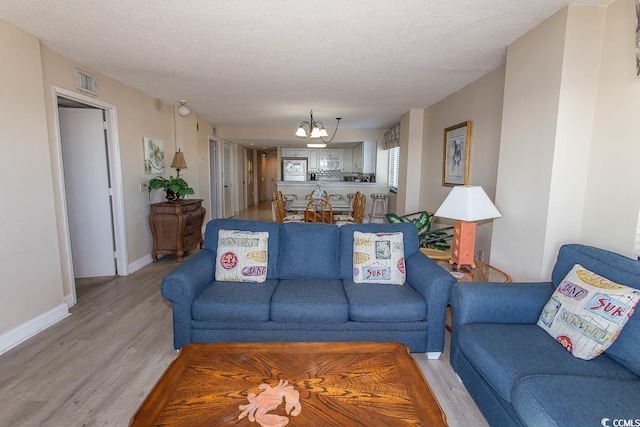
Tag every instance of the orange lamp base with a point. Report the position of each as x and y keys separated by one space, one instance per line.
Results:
x=464 y=242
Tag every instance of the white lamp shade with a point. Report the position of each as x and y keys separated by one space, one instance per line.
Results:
x=315 y=133
x=323 y=132
x=467 y=203
x=301 y=132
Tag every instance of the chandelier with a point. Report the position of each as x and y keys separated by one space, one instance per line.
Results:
x=316 y=130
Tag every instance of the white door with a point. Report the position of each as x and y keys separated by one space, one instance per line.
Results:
x=227 y=180
x=86 y=179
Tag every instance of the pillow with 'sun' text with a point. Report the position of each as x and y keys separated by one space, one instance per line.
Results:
x=587 y=312
x=242 y=256
x=378 y=258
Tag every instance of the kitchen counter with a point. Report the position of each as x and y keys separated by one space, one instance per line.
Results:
x=302 y=188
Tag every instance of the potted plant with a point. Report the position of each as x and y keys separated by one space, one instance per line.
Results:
x=176 y=188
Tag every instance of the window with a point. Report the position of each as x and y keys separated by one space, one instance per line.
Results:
x=394 y=164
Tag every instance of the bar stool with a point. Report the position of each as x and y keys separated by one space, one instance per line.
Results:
x=378 y=207
x=351 y=196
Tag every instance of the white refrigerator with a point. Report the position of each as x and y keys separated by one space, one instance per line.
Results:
x=294 y=169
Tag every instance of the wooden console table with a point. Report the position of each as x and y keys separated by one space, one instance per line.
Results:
x=176 y=227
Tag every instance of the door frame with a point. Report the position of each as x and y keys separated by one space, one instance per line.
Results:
x=215 y=177
x=117 y=196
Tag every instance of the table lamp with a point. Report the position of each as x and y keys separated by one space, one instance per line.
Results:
x=178 y=162
x=466 y=205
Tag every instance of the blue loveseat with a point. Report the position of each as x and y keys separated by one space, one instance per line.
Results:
x=519 y=375
x=309 y=294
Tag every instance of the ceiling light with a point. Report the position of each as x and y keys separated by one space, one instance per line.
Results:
x=316 y=145
x=316 y=130
x=183 y=110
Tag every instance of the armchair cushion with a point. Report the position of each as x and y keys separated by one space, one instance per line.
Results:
x=563 y=400
x=502 y=353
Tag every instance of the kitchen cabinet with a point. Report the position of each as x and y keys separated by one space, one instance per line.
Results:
x=295 y=152
x=369 y=152
x=347 y=159
x=313 y=159
x=356 y=158
x=330 y=159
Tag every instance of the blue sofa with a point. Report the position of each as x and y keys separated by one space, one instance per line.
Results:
x=309 y=294
x=520 y=376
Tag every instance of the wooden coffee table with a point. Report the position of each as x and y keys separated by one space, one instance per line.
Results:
x=339 y=384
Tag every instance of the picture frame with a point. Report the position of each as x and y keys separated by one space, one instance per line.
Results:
x=456 y=154
x=153 y=156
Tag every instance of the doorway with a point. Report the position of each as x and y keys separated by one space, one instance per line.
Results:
x=215 y=179
x=81 y=191
x=227 y=180
x=85 y=168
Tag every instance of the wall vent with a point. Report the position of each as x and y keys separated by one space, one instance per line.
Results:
x=86 y=82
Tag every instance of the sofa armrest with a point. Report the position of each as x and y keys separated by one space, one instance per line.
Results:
x=181 y=286
x=433 y=283
x=475 y=302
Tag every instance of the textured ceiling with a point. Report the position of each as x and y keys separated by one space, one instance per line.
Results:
x=267 y=62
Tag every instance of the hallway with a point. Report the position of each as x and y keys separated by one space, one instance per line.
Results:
x=259 y=212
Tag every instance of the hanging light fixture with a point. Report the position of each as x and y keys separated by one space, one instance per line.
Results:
x=183 y=110
x=316 y=130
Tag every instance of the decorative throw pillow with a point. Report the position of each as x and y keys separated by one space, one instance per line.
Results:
x=242 y=256
x=378 y=258
x=587 y=312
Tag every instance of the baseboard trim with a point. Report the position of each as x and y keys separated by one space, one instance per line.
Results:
x=28 y=329
x=69 y=300
x=140 y=263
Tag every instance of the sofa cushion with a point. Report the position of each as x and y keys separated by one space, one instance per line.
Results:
x=273 y=228
x=559 y=400
x=378 y=258
x=587 y=312
x=309 y=301
x=502 y=353
x=619 y=269
x=408 y=230
x=309 y=251
x=242 y=256
x=384 y=303
x=234 y=301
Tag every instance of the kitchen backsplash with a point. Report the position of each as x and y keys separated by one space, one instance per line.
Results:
x=341 y=176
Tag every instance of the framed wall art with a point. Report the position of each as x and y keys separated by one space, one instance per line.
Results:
x=153 y=156
x=457 y=152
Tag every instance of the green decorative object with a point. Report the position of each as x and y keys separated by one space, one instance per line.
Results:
x=176 y=188
x=436 y=239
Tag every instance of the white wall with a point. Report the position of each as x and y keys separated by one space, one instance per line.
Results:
x=612 y=198
x=407 y=200
x=31 y=288
x=481 y=103
x=570 y=98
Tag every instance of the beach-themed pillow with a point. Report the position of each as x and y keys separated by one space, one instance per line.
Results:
x=378 y=258
x=587 y=312
x=242 y=256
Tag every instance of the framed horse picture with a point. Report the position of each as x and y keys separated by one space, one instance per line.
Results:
x=456 y=155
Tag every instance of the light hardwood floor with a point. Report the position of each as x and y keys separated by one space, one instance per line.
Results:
x=95 y=367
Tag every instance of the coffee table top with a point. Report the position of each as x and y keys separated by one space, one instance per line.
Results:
x=346 y=384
